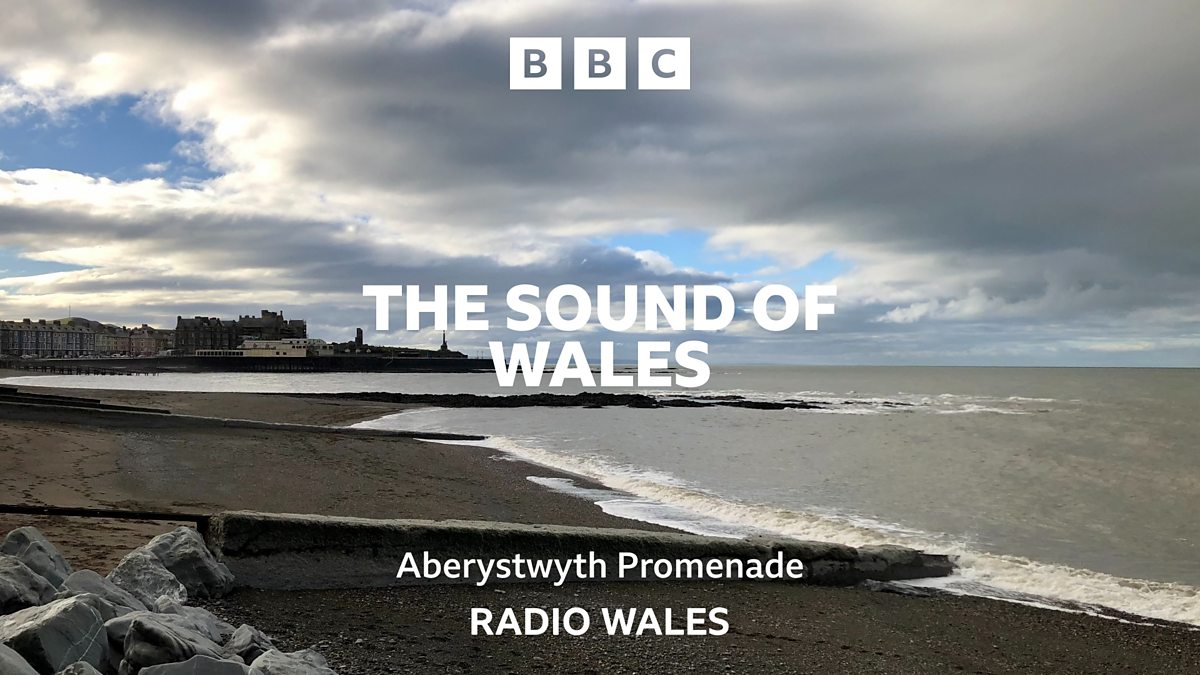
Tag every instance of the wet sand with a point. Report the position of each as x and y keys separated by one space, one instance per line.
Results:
x=270 y=408
x=76 y=463
x=774 y=628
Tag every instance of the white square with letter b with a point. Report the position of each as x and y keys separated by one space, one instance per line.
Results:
x=535 y=63
x=600 y=63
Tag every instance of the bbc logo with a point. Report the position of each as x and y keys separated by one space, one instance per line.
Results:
x=536 y=63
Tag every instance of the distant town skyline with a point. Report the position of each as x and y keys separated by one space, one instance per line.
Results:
x=1009 y=185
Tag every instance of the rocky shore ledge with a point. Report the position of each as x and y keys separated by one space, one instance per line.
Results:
x=55 y=620
x=582 y=400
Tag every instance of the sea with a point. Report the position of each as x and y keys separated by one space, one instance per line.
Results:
x=1077 y=489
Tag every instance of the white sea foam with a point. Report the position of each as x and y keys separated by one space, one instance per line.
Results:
x=853 y=403
x=975 y=408
x=850 y=411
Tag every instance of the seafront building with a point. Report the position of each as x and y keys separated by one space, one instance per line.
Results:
x=149 y=341
x=272 y=326
x=78 y=337
x=111 y=340
x=45 y=339
x=203 y=333
x=286 y=348
x=268 y=335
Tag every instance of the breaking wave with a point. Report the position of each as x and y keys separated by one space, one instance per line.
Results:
x=662 y=499
x=853 y=403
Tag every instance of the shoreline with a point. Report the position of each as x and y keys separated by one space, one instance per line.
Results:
x=69 y=464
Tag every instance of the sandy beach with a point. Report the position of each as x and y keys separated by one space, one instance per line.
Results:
x=774 y=628
x=72 y=463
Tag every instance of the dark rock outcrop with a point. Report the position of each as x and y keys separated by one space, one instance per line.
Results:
x=591 y=399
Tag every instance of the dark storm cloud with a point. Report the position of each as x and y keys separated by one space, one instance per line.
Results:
x=1073 y=130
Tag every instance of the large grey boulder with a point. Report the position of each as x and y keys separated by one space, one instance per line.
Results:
x=119 y=628
x=199 y=665
x=53 y=636
x=104 y=608
x=32 y=547
x=144 y=577
x=87 y=581
x=204 y=621
x=21 y=587
x=149 y=639
x=79 y=668
x=248 y=643
x=304 y=662
x=184 y=553
x=12 y=663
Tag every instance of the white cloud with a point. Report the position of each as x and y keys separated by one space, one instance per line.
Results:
x=925 y=143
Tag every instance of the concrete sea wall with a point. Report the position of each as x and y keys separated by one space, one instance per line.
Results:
x=288 y=551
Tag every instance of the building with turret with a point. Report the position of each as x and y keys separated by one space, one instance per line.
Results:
x=211 y=333
x=272 y=326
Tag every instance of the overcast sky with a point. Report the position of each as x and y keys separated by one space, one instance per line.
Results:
x=1008 y=182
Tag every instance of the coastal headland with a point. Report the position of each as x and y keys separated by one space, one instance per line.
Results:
x=93 y=457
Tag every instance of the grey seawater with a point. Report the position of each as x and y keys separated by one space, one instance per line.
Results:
x=1074 y=484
